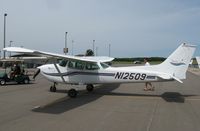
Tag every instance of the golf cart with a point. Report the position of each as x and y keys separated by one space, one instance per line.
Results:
x=15 y=74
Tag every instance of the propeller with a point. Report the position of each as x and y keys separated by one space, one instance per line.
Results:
x=36 y=73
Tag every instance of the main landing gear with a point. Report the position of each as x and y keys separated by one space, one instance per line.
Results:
x=72 y=92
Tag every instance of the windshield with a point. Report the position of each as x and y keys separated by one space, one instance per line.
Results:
x=104 y=65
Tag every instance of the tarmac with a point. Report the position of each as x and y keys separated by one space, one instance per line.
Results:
x=110 y=107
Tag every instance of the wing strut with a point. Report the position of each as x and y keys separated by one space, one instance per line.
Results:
x=59 y=72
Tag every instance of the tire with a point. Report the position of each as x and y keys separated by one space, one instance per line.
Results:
x=50 y=89
x=90 y=88
x=2 y=82
x=26 y=81
x=72 y=93
x=53 y=89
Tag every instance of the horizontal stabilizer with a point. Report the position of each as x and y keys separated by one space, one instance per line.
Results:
x=168 y=77
x=177 y=79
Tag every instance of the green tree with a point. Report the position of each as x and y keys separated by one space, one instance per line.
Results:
x=89 y=52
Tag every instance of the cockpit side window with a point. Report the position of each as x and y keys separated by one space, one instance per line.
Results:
x=63 y=62
x=91 y=66
x=71 y=64
x=75 y=64
x=80 y=65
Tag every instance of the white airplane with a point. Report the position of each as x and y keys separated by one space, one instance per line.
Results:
x=198 y=61
x=92 y=70
x=191 y=61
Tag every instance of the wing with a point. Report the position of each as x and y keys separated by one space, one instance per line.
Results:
x=54 y=55
x=97 y=58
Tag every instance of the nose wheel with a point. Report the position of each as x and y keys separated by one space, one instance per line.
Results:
x=53 y=88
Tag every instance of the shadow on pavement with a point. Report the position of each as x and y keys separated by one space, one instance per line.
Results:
x=66 y=103
x=167 y=96
x=174 y=97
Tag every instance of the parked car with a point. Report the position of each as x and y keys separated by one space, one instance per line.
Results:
x=137 y=62
x=19 y=79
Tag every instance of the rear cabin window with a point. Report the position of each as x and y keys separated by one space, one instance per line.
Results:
x=92 y=66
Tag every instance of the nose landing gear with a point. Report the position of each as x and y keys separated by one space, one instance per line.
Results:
x=53 y=87
x=90 y=87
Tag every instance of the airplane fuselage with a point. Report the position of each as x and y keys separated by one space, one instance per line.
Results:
x=59 y=74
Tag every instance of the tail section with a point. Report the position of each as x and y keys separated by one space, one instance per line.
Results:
x=177 y=63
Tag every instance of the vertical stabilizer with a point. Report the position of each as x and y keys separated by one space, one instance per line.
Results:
x=177 y=63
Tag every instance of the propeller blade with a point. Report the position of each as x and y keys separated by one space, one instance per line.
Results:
x=36 y=73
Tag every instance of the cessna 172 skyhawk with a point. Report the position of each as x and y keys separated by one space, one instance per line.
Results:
x=93 y=70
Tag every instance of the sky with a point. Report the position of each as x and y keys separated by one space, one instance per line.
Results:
x=133 y=28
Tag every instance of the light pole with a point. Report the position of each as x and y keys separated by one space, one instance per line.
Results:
x=10 y=46
x=109 y=50
x=65 y=49
x=93 y=45
x=4 y=38
x=96 y=51
x=72 y=47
